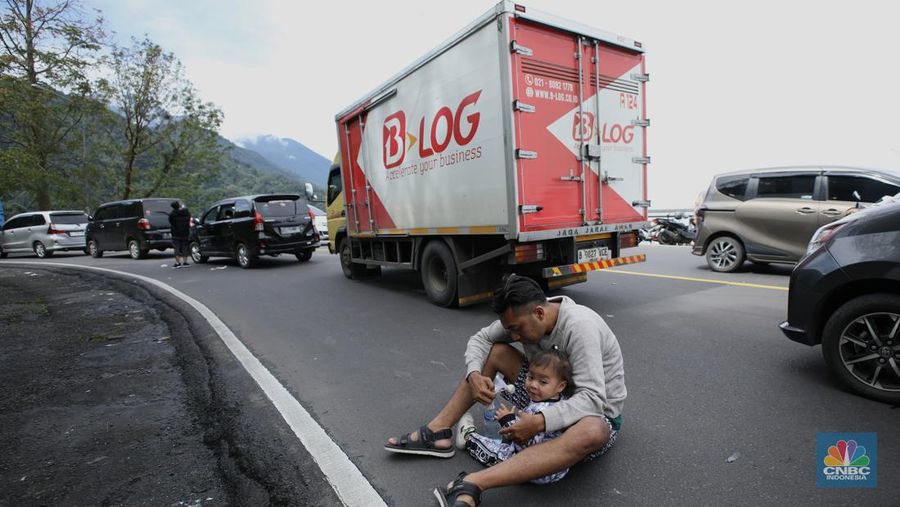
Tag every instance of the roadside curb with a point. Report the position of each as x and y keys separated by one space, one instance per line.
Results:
x=232 y=365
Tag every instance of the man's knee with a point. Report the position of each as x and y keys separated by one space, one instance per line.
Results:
x=505 y=359
x=591 y=433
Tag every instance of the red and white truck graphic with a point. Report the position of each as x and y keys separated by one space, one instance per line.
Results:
x=518 y=145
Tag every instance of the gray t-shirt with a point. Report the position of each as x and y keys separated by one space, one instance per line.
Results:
x=597 y=366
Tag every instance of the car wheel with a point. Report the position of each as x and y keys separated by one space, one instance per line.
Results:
x=305 y=255
x=725 y=254
x=41 y=251
x=861 y=345
x=244 y=258
x=196 y=256
x=351 y=269
x=94 y=249
x=135 y=251
x=439 y=273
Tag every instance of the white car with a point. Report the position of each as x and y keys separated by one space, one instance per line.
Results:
x=43 y=232
x=320 y=221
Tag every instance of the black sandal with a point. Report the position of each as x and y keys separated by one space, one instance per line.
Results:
x=424 y=446
x=450 y=497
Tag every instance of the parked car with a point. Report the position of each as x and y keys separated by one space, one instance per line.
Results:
x=321 y=221
x=845 y=295
x=246 y=228
x=137 y=226
x=43 y=232
x=769 y=215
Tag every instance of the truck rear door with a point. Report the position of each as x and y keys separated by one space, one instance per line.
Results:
x=567 y=141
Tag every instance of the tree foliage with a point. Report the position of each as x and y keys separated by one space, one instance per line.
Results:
x=45 y=91
x=166 y=125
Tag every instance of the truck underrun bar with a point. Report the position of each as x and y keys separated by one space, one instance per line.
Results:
x=572 y=269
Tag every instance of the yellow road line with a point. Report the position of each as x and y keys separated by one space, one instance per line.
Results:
x=691 y=279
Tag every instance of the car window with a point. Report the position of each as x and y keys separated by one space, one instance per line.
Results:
x=101 y=214
x=226 y=211
x=157 y=211
x=787 y=187
x=210 y=215
x=68 y=218
x=37 y=220
x=279 y=206
x=242 y=208
x=858 y=188
x=114 y=212
x=335 y=186
x=14 y=223
x=733 y=186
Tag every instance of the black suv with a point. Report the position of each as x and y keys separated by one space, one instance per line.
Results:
x=845 y=295
x=136 y=225
x=245 y=228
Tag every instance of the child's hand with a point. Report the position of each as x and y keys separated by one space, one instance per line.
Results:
x=504 y=411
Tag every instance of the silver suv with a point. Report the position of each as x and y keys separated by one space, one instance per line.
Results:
x=43 y=232
x=769 y=215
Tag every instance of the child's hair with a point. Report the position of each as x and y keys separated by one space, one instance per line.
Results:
x=558 y=361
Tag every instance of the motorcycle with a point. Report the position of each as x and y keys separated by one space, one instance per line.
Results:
x=674 y=231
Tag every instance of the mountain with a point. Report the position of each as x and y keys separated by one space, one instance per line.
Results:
x=291 y=157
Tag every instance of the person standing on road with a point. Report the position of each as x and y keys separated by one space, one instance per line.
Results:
x=591 y=418
x=180 y=223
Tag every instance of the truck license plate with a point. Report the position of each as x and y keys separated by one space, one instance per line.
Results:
x=600 y=253
x=290 y=230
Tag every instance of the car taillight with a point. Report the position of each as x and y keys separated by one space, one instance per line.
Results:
x=258 y=222
x=529 y=252
x=822 y=236
x=144 y=224
x=628 y=240
x=54 y=230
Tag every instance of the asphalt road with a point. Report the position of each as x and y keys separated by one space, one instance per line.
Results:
x=709 y=377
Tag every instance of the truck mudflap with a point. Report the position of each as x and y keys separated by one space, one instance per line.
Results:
x=572 y=270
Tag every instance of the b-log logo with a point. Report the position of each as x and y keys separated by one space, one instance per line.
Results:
x=436 y=132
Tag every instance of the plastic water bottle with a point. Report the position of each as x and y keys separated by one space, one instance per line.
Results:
x=491 y=425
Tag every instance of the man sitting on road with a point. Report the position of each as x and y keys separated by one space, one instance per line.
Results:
x=591 y=418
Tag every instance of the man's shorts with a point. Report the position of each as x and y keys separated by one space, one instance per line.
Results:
x=181 y=246
x=521 y=400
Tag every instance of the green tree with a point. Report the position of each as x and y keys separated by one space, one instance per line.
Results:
x=167 y=128
x=47 y=51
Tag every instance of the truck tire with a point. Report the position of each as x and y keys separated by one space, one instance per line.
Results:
x=351 y=269
x=439 y=274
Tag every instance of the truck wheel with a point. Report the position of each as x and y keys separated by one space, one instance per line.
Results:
x=94 y=249
x=351 y=269
x=861 y=345
x=439 y=274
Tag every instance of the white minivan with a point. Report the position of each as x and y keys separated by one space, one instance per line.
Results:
x=43 y=232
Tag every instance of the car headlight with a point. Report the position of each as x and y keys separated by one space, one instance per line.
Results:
x=823 y=235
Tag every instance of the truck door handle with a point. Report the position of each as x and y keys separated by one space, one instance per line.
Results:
x=806 y=210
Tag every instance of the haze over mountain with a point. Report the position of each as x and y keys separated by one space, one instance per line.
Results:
x=290 y=156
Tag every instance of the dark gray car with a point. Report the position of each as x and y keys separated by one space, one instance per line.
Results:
x=769 y=215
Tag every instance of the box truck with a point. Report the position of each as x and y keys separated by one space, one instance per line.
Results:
x=518 y=145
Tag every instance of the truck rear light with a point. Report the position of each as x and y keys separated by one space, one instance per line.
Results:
x=54 y=230
x=143 y=224
x=258 y=222
x=529 y=252
x=628 y=240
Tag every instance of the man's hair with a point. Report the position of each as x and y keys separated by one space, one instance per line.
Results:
x=557 y=361
x=517 y=292
x=176 y=205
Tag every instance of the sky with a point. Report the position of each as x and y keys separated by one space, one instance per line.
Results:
x=733 y=85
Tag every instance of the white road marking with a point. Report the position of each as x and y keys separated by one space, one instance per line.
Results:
x=348 y=482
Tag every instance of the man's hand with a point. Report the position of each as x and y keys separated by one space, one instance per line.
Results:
x=482 y=388
x=504 y=411
x=522 y=430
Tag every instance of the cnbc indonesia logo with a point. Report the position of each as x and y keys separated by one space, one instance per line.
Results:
x=847 y=463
